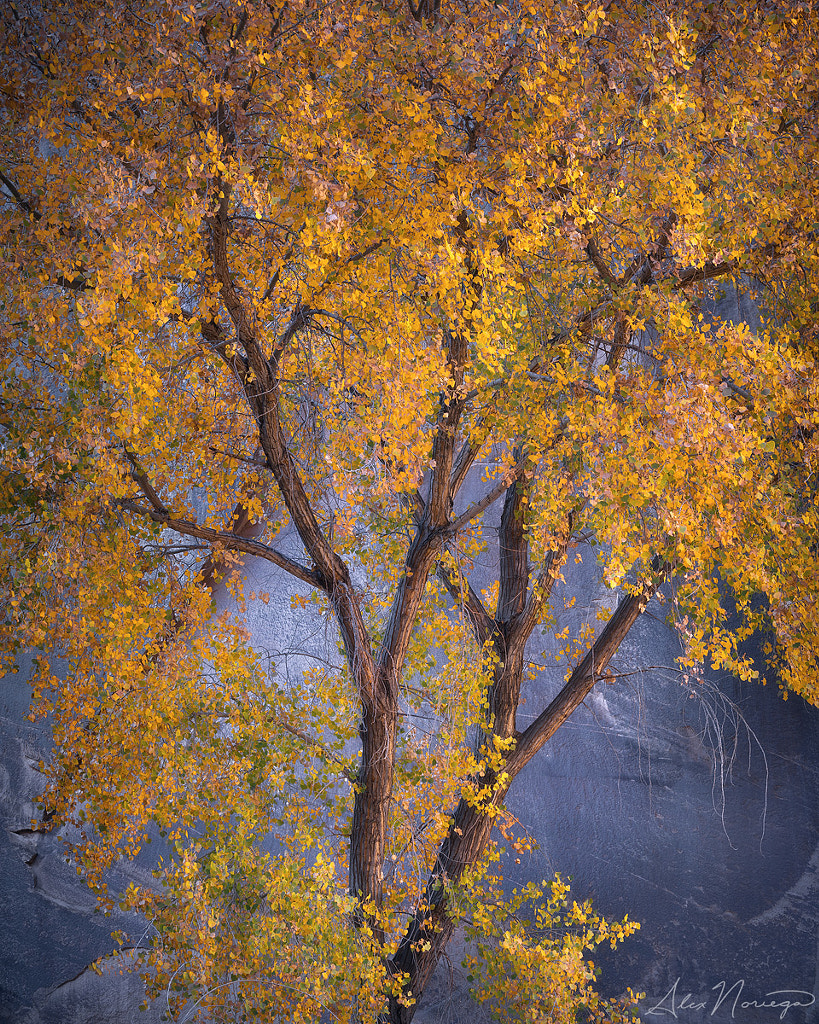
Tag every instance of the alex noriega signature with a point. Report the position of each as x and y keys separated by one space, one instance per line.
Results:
x=784 y=999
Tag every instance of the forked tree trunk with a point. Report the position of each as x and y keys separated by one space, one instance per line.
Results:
x=377 y=678
x=432 y=926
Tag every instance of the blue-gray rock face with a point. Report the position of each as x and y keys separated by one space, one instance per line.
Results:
x=690 y=804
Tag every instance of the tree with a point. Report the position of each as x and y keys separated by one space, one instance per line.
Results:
x=304 y=266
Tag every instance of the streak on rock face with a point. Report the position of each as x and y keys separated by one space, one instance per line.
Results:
x=112 y=996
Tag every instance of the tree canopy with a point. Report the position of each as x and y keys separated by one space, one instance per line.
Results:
x=305 y=266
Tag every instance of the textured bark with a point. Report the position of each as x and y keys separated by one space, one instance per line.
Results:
x=514 y=554
x=231 y=540
x=379 y=723
x=508 y=631
x=380 y=718
x=372 y=803
x=465 y=597
x=622 y=339
x=376 y=687
x=432 y=926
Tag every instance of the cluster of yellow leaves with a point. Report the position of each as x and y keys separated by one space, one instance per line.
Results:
x=527 y=954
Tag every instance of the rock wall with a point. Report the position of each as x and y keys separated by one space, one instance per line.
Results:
x=690 y=804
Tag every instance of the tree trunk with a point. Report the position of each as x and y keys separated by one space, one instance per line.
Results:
x=371 y=808
x=431 y=928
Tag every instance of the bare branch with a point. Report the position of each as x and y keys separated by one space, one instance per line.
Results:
x=599 y=261
x=316 y=744
x=581 y=681
x=18 y=198
x=216 y=341
x=239 y=27
x=739 y=390
x=461 y=592
x=75 y=284
x=443 y=448
x=140 y=477
x=463 y=463
x=622 y=339
x=540 y=590
x=377 y=686
x=262 y=463
x=513 y=473
x=643 y=275
x=229 y=540
x=299 y=319
x=240 y=523
x=513 y=547
x=640 y=270
x=693 y=274
x=358 y=256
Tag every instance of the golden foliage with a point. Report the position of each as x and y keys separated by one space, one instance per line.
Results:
x=269 y=266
